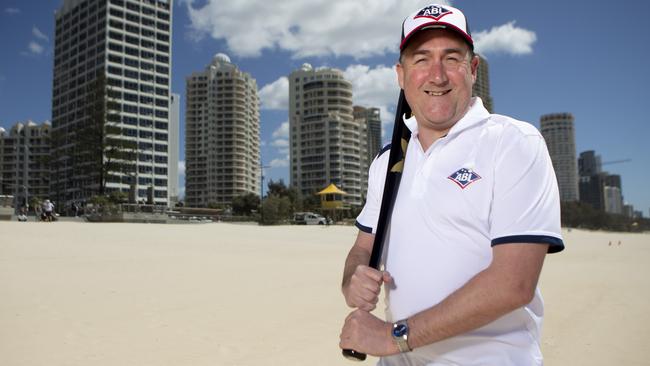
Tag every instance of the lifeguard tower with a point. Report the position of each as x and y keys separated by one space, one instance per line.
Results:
x=331 y=201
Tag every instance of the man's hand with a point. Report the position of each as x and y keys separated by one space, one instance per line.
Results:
x=363 y=288
x=365 y=333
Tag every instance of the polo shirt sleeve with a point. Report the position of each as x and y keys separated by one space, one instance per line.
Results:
x=367 y=219
x=526 y=201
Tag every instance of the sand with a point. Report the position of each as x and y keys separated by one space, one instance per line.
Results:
x=224 y=294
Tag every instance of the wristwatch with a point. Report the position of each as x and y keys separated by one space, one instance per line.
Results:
x=400 y=335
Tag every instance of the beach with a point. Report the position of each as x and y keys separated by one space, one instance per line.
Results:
x=235 y=294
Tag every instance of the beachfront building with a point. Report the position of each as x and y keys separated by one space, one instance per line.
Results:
x=222 y=138
x=482 y=85
x=24 y=162
x=327 y=144
x=559 y=134
x=126 y=46
x=372 y=118
x=589 y=163
x=174 y=148
x=599 y=189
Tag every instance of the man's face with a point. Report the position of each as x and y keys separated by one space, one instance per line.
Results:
x=437 y=74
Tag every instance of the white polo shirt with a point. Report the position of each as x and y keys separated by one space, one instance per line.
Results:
x=489 y=181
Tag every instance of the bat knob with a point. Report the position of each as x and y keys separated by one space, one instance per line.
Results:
x=354 y=355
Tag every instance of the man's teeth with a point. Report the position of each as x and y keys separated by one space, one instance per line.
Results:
x=437 y=94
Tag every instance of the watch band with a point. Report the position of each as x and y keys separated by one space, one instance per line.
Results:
x=400 y=335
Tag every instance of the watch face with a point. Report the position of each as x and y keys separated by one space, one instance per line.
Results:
x=400 y=330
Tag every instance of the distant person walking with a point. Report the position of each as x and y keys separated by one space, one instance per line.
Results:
x=48 y=210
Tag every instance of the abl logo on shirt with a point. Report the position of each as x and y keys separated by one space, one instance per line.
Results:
x=464 y=177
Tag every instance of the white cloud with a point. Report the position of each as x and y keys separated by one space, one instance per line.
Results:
x=280 y=143
x=360 y=29
x=279 y=163
x=12 y=11
x=40 y=35
x=276 y=94
x=506 y=38
x=282 y=131
x=35 y=48
x=181 y=167
x=375 y=87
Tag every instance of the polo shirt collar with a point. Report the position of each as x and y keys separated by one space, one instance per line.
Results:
x=475 y=114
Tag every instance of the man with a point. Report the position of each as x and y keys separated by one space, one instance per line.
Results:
x=48 y=210
x=476 y=212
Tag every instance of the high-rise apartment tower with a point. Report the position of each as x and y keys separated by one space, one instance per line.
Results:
x=24 y=157
x=327 y=145
x=127 y=43
x=482 y=85
x=559 y=134
x=372 y=118
x=222 y=138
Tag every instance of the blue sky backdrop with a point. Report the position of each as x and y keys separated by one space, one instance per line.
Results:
x=584 y=57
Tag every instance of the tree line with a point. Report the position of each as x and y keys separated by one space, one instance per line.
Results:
x=582 y=215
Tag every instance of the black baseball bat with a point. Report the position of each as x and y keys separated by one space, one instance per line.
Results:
x=399 y=142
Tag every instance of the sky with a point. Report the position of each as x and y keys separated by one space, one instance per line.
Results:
x=584 y=57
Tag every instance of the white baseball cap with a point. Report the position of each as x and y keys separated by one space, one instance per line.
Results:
x=435 y=16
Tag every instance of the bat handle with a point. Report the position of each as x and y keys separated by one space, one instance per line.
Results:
x=354 y=355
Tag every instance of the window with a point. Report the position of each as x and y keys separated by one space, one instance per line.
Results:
x=114 y=47
x=115 y=36
x=146 y=88
x=130 y=85
x=127 y=108
x=132 y=6
x=114 y=70
x=132 y=40
x=132 y=29
x=147 y=66
x=113 y=58
x=146 y=111
x=145 y=134
x=131 y=51
x=131 y=74
x=146 y=100
x=162 y=69
x=132 y=18
x=145 y=122
x=131 y=62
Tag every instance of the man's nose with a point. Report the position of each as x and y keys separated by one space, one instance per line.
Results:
x=437 y=73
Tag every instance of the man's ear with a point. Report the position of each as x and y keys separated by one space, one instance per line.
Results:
x=399 y=69
x=474 y=66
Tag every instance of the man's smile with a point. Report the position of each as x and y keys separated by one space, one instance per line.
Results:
x=437 y=93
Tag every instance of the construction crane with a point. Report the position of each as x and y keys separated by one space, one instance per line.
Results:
x=616 y=161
